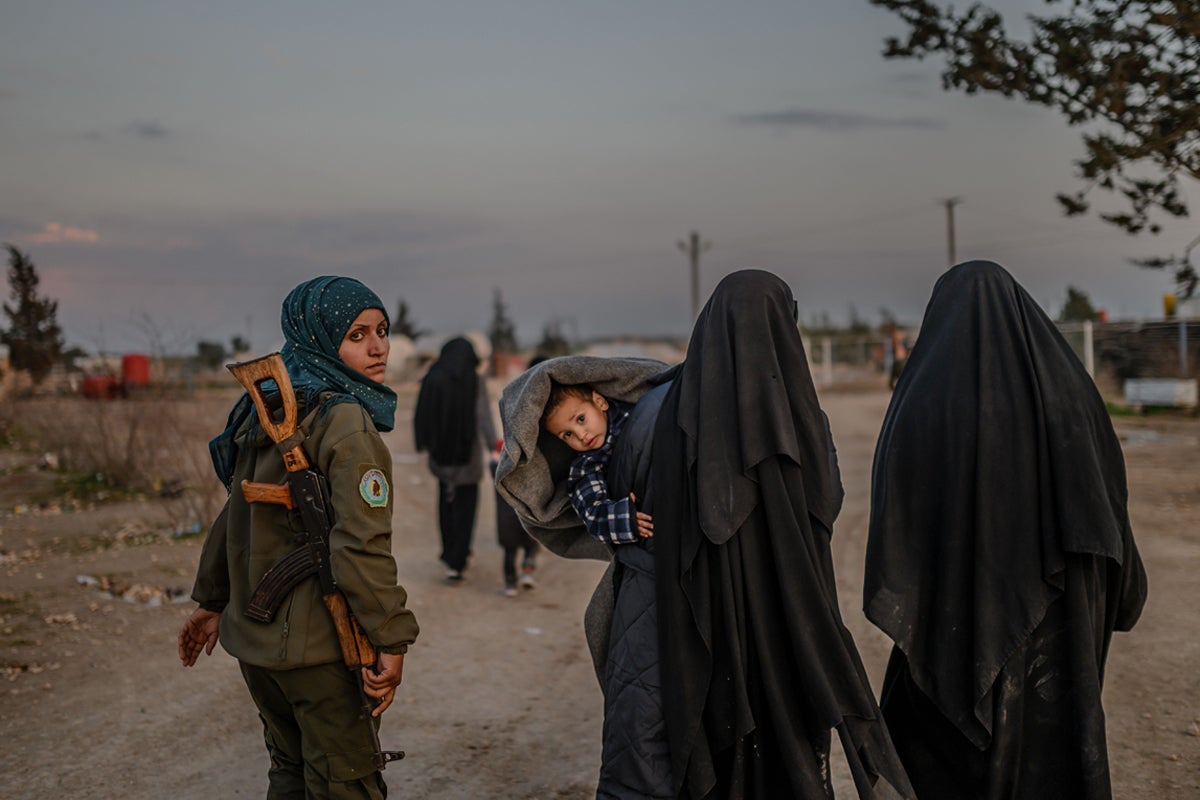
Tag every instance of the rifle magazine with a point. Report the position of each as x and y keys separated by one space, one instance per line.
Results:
x=278 y=582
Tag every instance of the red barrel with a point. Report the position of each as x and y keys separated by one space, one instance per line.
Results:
x=135 y=369
x=99 y=387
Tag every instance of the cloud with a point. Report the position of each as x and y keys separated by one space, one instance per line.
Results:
x=54 y=233
x=139 y=129
x=832 y=121
x=147 y=130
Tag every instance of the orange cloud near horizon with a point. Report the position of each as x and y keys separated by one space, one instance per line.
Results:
x=55 y=233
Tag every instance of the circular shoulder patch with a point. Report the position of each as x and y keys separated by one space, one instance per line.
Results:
x=374 y=488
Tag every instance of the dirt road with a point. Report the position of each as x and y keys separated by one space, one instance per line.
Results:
x=499 y=699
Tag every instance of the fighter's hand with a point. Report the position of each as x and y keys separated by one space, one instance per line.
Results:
x=381 y=682
x=198 y=633
x=644 y=522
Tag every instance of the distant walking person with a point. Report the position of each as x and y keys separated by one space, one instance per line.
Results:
x=453 y=423
x=1000 y=558
x=512 y=534
x=514 y=540
x=335 y=351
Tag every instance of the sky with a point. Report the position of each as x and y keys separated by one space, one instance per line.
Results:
x=173 y=169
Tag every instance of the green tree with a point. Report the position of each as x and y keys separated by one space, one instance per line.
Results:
x=857 y=324
x=71 y=356
x=1127 y=71
x=502 y=332
x=403 y=324
x=210 y=354
x=238 y=344
x=34 y=338
x=1077 y=308
x=553 y=343
x=820 y=322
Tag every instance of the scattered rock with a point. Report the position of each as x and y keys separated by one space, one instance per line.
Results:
x=12 y=671
x=133 y=592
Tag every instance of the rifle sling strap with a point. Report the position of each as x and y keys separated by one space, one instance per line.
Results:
x=302 y=430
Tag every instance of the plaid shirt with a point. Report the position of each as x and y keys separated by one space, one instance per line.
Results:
x=610 y=521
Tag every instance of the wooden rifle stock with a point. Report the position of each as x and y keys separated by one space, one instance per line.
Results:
x=278 y=493
x=357 y=650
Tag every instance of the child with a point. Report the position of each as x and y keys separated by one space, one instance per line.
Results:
x=589 y=424
x=512 y=537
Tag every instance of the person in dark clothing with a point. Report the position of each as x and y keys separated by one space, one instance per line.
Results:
x=744 y=472
x=453 y=415
x=514 y=540
x=533 y=477
x=1000 y=557
x=511 y=534
x=633 y=741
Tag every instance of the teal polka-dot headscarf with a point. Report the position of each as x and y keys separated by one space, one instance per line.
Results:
x=316 y=315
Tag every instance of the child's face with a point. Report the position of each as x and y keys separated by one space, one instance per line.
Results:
x=581 y=422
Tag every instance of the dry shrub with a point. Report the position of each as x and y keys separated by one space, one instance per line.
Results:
x=157 y=445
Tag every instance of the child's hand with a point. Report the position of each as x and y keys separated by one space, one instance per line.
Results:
x=645 y=523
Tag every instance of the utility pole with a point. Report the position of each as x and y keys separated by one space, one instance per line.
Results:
x=693 y=247
x=1183 y=345
x=950 y=203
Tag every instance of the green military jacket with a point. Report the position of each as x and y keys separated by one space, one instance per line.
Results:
x=246 y=539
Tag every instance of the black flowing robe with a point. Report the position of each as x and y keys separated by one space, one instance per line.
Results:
x=444 y=420
x=1000 y=558
x=757 y=666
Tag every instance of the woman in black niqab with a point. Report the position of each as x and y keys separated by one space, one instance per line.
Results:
x=1000 y=557
x=757 y=666
x=453 y=422
x=444 y=419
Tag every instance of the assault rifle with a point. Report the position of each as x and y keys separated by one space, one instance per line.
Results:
x=306 y=491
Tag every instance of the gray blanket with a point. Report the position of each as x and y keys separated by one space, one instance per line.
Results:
x=531 y=476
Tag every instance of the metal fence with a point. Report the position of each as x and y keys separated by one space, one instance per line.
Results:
x=1125 y=350
x=1112 y=352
